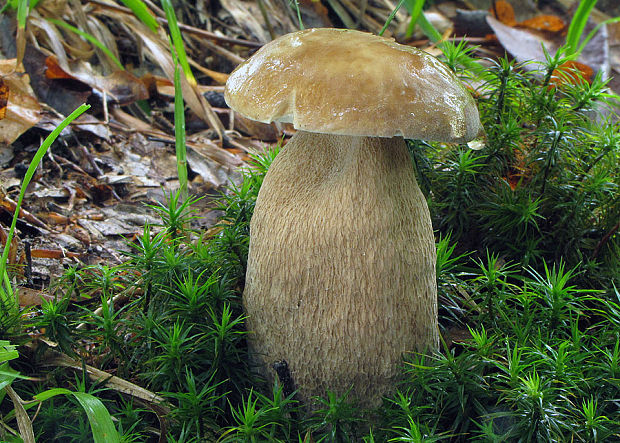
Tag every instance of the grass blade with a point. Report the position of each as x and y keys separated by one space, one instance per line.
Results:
x=7 y=375
x=393 y=14
x=594 y=31
x=416 y=11
x=142 y=12
x=179 y=131
x=89 y=38
x=98 y=416
x=23 y=420
x=100 y=421
x=7 y=351
x=577 y=25
x=6 y=290
x=433 y=34
x=177 y=41
x=20 y=38
x=295 y=4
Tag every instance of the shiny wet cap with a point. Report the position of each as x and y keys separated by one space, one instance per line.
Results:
x=340 y=81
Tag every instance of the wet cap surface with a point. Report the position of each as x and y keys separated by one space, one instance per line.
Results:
x=348 y=82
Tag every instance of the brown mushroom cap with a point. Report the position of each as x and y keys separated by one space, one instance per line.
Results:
x=347 y=82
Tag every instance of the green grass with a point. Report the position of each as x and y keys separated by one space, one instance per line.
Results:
x=537 y=358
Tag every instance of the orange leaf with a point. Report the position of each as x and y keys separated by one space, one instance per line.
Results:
x=54 y=70
x=549 y=23
x=503 y=11
x=4 y=98
x=572 y=73
x=53 y=253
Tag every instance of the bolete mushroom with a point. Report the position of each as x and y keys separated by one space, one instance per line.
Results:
x=341 y=270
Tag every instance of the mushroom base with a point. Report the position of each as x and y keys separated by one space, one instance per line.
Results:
x=341 y=270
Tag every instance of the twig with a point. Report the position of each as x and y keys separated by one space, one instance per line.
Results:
x=91 y=160
x=604 y=240
x=10 y=206
x=231 y=56
x=265 y=15
x=28 y=272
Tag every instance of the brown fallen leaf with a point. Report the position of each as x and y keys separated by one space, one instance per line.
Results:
x=206 y=148
x=261 y=131
x=572 y=73
x=55 y=219
x=55 y=254
x=523 y=44
x=318 y=12
x=63 y=95
x=247 y=15
x=32 y=297
x=503 y=11
x=121 y=86
x=524 y=41
x=215 y=230
x=548 y=23
x=157 y=47
x=53 y=69
x=9 y=205
x=22 y=110
x=79 y=233
x=4 y=98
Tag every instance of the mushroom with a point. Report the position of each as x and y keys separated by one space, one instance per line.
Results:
x=341 y=270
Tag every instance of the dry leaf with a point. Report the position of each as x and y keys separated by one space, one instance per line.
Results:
x=503 y=11
x=32 y=297
x=572 y=73
x=53 y=70
x=42 y=30
x=317 y=12
x=10 y=206
x=522 y=44
x=4 y=97
x=56 y=254
x=219 y=77
x=250 y=21
x=121 y=86
x=525 y=45
x=549 y=23
x=52 y=8
x=22 y=110
x=62 y=95
x=53 y=358
x=206 y=148
x=23 y=420
x=89 y=123
x=158 y=48
x=258 y=130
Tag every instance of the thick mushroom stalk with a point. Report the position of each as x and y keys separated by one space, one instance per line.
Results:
x=341 y=271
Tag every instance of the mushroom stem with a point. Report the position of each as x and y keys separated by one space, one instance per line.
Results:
x=341 y=270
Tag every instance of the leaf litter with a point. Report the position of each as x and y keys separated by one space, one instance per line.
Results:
x=95 y=179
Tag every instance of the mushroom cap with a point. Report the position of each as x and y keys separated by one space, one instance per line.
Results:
x=340 y=81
